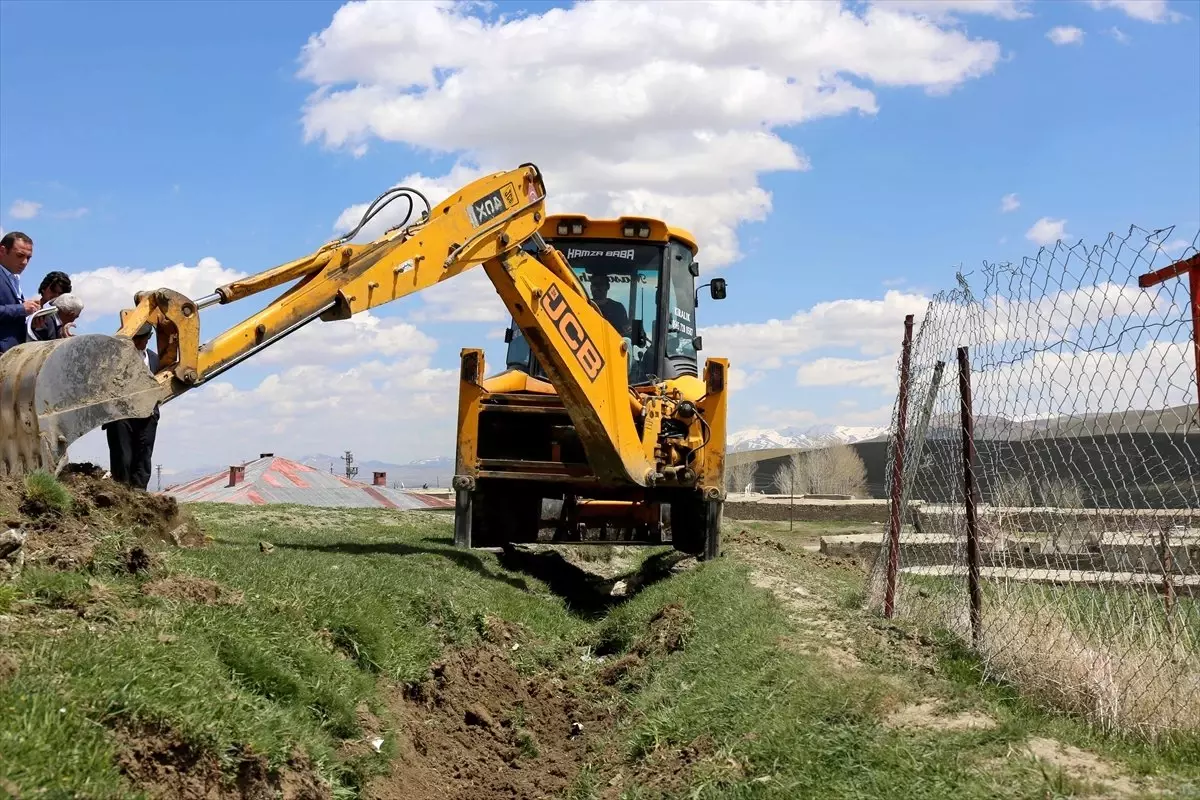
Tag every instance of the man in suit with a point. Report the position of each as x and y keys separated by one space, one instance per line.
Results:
x=131 y=441
x=16 y=250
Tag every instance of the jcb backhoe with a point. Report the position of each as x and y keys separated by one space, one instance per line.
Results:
x=601 y=427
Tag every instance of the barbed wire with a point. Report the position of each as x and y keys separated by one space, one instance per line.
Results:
x=1087 y=474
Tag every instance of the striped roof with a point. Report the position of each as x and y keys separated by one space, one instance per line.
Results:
x=279 y=480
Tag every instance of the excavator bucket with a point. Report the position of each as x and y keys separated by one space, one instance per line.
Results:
x=52 y=393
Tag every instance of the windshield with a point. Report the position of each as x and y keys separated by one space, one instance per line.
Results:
x=622 y=278
x=681 y=305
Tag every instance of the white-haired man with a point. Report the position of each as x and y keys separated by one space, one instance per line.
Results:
x=57 y=318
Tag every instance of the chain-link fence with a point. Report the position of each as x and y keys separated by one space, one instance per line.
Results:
x=1060 y=538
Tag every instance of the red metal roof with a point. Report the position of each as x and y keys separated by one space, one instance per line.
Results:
x=279 y=480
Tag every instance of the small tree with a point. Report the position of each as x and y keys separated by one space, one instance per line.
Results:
x=1062 y=493
x=789 y=478
x=740 y=475
x=842 y=471
x=1013 y=491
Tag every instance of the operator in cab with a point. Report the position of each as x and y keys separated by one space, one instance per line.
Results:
x=612 y=311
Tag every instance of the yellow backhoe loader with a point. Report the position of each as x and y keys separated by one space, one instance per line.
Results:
x=601 y=428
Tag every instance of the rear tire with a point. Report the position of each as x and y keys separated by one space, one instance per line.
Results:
x=696 y=526
x=505 y=512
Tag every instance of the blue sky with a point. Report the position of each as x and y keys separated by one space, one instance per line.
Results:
x=181 y=129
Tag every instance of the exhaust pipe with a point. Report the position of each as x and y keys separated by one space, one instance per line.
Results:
x=52 y=393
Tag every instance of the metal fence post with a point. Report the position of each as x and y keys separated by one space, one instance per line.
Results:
x=893 y=563
x=1168 y=582
x=970 y=492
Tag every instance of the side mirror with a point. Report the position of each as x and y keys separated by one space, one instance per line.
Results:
x=508 y=335
x=694 y=269
x=638 y=333
x=716 y=288
x=698 y=343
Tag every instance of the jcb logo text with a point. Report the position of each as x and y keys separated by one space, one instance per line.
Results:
x=572 y=332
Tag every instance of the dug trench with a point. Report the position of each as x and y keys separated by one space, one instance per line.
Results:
x=477 y=723
x=478 y=727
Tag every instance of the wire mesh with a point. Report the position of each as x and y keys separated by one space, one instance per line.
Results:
x=1087 y=466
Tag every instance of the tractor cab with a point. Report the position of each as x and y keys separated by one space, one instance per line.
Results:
x=641 y=275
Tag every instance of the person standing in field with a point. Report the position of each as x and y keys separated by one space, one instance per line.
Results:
x=16 y=251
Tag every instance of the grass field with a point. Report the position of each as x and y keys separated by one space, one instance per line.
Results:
x=345 y=653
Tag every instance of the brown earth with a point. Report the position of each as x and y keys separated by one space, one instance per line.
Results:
x=192 y=589
x=68 y=539
x=163 y=765
x=478 y=728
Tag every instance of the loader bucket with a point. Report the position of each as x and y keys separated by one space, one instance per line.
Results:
x=52 y=393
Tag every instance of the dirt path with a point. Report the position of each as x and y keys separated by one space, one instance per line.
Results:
x=829 y=622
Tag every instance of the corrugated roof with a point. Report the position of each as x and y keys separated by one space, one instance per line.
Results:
x=279 y=480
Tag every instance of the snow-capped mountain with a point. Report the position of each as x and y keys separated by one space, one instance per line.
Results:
x=813 y=436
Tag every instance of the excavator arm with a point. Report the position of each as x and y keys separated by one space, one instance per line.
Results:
x=51 y=393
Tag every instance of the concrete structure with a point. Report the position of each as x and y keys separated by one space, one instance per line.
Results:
x=270 y=480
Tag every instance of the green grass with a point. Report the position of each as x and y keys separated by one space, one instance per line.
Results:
x=816 y=731
x=350 y=602
x=42 y=488
x=324 y=617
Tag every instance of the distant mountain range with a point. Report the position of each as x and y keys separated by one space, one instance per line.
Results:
x=805 y=438
x=1175 y=421
x=436 y=472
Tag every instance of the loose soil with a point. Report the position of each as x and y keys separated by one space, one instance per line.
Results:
x=192 y=589
x=164 y=766
x=478 y=728
x=931 y=714
x=68 y=540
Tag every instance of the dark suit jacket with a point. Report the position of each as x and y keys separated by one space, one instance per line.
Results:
x=12 y=316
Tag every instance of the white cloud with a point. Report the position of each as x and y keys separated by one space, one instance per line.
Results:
x=344 y=341
x=1143 y=10
x=1156 y=375
x=107 y=290
x=1065 y=34
x=667 y=109
x=467 y=297
x=874 y=373
x=945 y=9
x=1009 y=203
x=740 y=379
x=24 y=209
x=873 y=327
x=1047 y=231
x=394 y=409
x=1175 y=247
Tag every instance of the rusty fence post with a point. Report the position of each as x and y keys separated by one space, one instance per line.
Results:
x=970 y=493
x=894 y=520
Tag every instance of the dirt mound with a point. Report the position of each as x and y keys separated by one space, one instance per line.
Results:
x=477 y=728
x=65 y=534
x=162 y=765
x=193 y=590
x=156 y=517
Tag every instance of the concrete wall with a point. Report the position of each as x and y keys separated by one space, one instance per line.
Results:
x=823 y=511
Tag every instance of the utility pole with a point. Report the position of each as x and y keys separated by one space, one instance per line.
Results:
x=350 y=470
x=159 y=469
